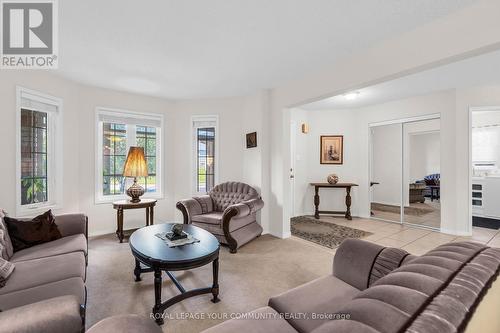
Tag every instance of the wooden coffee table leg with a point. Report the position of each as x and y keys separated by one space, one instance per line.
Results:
x=215 y=285
x=348 y=203
x=158 y=313
x=137 y=271
x=147 y=216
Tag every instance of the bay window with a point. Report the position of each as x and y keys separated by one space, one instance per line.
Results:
x=117 y=131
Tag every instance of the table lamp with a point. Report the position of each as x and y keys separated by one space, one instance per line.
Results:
x=135 y=166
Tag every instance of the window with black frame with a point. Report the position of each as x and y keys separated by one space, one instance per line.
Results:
x=34 y=133
x=146 y=138
x=205 y=159
x=114 y=154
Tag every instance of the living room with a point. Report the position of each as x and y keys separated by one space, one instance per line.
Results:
x=228 y=128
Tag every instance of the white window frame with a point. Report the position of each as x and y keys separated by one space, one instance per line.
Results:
x=131 y=141
x=54 y=151
x=200 y=122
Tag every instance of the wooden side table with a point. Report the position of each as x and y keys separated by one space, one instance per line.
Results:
x=346 y=186
x=121 y=205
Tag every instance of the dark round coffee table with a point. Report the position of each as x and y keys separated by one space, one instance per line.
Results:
x=153 y=255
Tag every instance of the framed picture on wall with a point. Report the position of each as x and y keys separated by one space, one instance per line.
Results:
x=331 y=149
x=252 y=140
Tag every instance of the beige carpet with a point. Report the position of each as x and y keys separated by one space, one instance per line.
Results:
x=262 y=268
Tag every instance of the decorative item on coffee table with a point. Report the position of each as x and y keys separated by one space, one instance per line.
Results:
x=176 y=233
x=135 y=166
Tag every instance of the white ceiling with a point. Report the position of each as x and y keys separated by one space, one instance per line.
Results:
x=191 y=49
x=475 y=71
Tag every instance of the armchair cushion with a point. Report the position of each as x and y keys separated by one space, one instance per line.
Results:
x=230 y=193
x=210 y=218
x=214 y=225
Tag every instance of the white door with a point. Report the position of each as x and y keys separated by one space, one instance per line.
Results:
x=293 y=135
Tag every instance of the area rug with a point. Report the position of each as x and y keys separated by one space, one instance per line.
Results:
x=323 y=233
x=423 y=209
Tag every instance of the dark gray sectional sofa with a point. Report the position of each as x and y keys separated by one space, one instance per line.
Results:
x=373 y=289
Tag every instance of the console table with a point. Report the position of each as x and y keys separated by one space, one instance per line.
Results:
x=121 y=205
x=346 y=186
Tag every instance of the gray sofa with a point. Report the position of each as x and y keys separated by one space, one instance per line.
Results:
x=373 y=289
x=228 y=211
x=46 y=291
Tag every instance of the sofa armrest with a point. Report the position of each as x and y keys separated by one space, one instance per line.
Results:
x=55 y=315
x=237 y=210
x=195 y=206
x=254 y=204
x=72 y=224
x=354 y=260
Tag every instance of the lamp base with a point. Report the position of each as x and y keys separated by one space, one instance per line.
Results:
x=135 y=192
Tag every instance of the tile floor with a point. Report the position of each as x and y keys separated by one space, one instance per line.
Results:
x=414 y=240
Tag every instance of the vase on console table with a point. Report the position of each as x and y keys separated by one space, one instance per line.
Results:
x=332 y=178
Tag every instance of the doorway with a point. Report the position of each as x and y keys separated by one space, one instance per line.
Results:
x=405 y=177
x=485 y=167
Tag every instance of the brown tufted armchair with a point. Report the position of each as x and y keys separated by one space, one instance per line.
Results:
x=228 y=212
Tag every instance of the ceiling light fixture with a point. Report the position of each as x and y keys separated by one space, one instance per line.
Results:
x=351 y=96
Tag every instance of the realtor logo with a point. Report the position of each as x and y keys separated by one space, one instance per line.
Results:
x=29 y=34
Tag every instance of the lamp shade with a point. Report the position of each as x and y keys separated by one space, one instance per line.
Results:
x=136 y=165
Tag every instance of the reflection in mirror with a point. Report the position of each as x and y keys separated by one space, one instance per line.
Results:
x=386 y=160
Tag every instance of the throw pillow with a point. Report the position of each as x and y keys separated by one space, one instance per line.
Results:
x=5 y=241
x=24 y=234
x=6 y=269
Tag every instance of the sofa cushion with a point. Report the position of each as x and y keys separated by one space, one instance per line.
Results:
x=40 y=229
x=125 y=324
x=74 y=243
x=5 y=241
x=210 y=218
x=55 y=315
x=72 y=286
x=263 y=320
x=320 y=296
x=36 y=272
x=216 y=228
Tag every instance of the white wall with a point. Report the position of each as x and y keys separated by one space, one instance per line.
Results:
x=354 y=125
x=237 y=116
x=474 y=30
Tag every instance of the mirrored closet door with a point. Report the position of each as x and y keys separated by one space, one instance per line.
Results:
x=405 y=175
